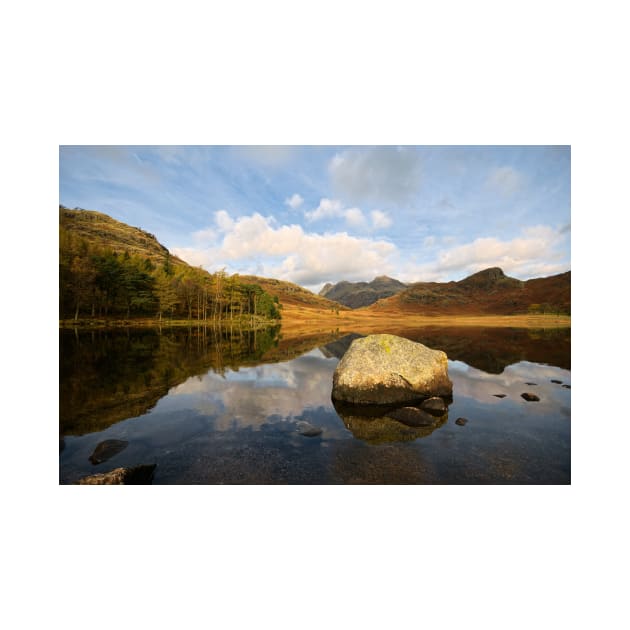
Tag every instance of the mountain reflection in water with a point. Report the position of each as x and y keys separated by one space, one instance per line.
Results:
x=214 y=407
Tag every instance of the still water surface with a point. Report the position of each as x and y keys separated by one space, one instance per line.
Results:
x=210 y=408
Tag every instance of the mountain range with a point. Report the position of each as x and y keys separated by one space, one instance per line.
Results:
x=358 y=294
x=486 y=292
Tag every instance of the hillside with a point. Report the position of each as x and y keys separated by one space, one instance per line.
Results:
x=487 y=292
x=110 y=271
x=359 y=294
x=102 y=231
x=290 y=294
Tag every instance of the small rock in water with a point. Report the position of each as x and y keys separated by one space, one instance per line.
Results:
x=499 y=395
x=106 y=450
x=461 y=421
x=412 y=417
x=530 y=397
x=531 y=383
x=308 y=430
x=566 y=386
x=553 y=380
x=434 y=405
x=138 y=475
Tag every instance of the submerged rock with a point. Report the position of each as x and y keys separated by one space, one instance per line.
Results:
x=385 y=369
x=566 y=386
x=461 y=421
x=413 y=417
x=535 y=384
x=106 y=450
x=380 y=424
x=499 y=395
x=530 y=397
x=434 y=405
x=308 y=430
x=556 y=381
x=138 y=475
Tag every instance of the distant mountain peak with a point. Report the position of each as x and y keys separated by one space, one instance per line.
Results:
x=358 y=294
x=492 y=273
x=327 y=287
x=488 y=277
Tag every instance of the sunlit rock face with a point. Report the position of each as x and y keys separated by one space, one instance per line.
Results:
x=386 y=369
x=138 y=475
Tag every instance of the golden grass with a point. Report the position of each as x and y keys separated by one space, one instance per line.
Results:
x=299 y=320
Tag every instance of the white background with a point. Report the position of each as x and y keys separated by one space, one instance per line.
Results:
x=314 y=73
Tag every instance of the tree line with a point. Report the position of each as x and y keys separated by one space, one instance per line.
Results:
x=98 y=282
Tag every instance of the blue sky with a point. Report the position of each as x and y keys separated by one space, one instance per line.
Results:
x=321 y=214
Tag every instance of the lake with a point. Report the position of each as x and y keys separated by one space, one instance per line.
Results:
x=253 y=407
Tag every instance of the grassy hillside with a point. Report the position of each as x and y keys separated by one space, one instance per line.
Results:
x=99 y=230
x=488 y=292
x=294 y=295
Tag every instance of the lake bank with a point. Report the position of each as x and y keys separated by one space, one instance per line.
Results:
x=303 y=321
x=297 y=321
x=149 y=322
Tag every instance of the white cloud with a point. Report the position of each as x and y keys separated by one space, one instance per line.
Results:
x=333 y=208
x=380 y=219
x=204 y=236
x=385 y=174
x=354 y=217
x=223 y=220
x=288 y=252
x=539 y=251
x=295 y=201
x=505 y=180
x=327 y=209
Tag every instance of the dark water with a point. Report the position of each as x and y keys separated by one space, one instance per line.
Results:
x=210 y=408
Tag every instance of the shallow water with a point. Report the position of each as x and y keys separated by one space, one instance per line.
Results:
x=211 y=408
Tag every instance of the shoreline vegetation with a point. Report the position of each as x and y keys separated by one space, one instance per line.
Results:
x=153 y=322
x=306 y=321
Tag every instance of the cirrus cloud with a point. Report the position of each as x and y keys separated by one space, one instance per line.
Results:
x=381 y=174
x=505 y=180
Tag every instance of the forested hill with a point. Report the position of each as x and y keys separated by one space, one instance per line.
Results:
x=109 y=270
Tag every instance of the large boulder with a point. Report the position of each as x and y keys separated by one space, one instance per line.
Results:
x=386 y=369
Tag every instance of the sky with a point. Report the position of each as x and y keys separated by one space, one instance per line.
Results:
x=318 y=214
